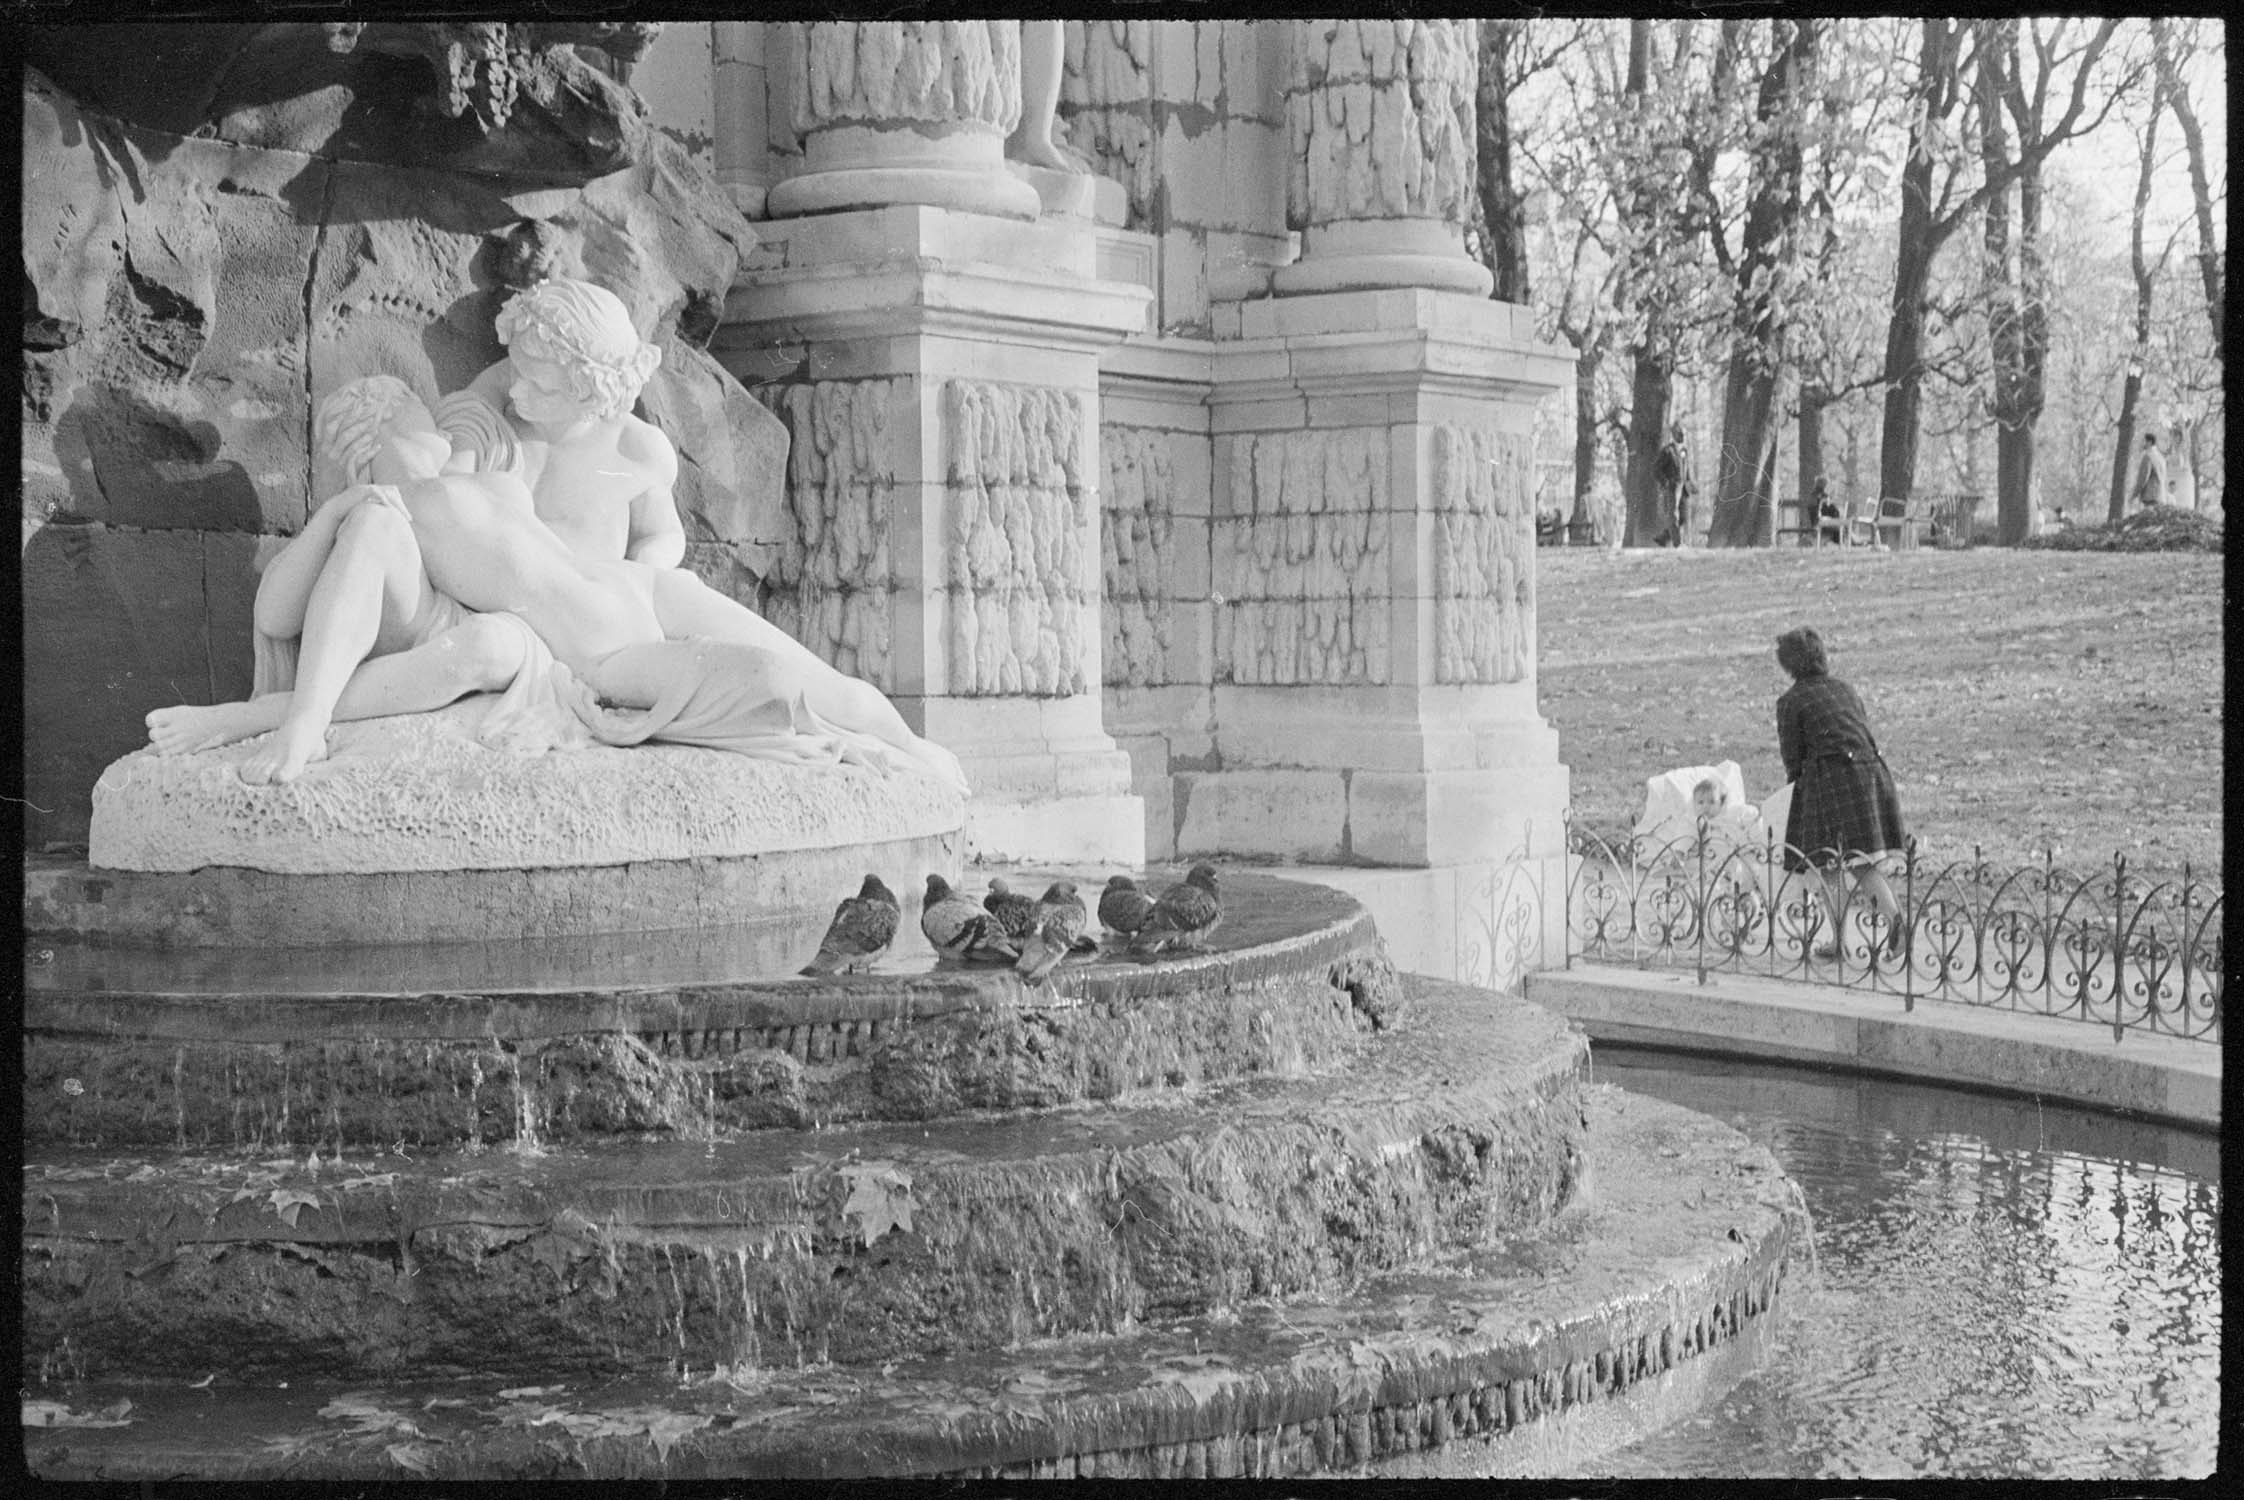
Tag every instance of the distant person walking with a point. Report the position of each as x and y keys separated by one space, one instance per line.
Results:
x=1671 y=472
x=2150 y=475
x=1845 y=811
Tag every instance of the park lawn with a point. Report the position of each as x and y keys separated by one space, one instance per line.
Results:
x=2025 y=700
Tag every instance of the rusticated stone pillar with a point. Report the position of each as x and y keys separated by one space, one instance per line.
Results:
x=938 y=372
x=894 y=112
x=1379 y=122
x=1373 y=572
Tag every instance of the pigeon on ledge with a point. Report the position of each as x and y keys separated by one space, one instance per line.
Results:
x=863 y=927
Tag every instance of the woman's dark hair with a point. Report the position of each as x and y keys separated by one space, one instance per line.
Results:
x=1800 y=652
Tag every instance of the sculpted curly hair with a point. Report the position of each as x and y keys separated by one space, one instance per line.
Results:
x=1800 y=652
x=587 y=330
x=348 y=425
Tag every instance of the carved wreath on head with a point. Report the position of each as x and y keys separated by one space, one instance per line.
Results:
x=483 y=67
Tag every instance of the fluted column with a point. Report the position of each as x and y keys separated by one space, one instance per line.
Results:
x=905 y=112
x=1379 y=123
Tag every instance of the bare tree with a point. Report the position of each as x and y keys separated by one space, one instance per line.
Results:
x=1504 y=243
x=1934 y=205
x=2017 y=302
x=2146 y=285
x=1648 y=145
x=2171 y=44
x=1745 y=475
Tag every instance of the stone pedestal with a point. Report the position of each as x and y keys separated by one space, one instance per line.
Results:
x=1372 y=568
x=938 y=371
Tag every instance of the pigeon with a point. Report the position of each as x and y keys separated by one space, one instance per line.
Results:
x=1183 y=915
x=1015 y=913
x=1042 y=953
x=861 y=931
x=1123 y=907
x=958 y=929
x=1061 y=905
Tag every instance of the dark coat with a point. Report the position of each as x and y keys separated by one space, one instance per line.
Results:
x=1843 y=797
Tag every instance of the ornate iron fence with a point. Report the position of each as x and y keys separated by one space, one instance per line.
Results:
x=2111 y=948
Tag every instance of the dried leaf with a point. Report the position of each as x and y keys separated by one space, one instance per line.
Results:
x=411 y=1457
x=880 y=1199
x=364 y=1411
x=288 y=1202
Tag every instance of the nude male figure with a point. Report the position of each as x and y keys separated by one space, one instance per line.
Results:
x=422 y=541
x=598 y=476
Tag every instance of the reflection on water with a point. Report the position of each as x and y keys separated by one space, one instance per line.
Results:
x=2000 y=1289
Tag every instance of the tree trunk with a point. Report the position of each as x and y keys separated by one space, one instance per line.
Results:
x=1500 y=201
x=2129 y=394
x=1651 y=390
x=1652 y=379
x=1586 y=361
x=1916 y=244
x=1744 y=506
x=2145 y=286
x=2006 y=295
x=2209 y=259
x=1813 y=400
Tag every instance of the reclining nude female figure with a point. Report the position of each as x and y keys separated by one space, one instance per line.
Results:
x=416 y=547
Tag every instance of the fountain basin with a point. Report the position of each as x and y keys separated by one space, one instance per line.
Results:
x=1644 y=1294
x=859 y=1244
x=498 y=1043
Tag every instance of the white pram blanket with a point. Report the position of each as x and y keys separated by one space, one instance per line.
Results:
x=1669 y=817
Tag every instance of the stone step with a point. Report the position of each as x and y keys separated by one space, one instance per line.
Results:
x=1523 y=1354
x=456 y=1044
x=860 y=1243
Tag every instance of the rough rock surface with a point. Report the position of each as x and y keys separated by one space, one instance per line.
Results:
x=420 y=793
x=221 y=220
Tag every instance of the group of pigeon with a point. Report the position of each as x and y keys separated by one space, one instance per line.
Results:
x=1029 y=934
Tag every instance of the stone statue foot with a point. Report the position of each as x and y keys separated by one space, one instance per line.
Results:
x=192 y=726
x=1043 y=151
x=293 y=747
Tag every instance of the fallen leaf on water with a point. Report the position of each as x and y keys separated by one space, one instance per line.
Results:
x=368 y=1415
x=55 y=1414
x=411 y=1457
x=288 y=1203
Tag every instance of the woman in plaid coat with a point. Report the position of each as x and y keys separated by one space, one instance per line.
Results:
x=1845 y=811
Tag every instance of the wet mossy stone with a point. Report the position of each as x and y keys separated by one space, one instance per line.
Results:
x=864 y=1243
x=686 y=1034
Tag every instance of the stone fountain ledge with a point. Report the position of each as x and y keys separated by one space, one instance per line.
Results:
x=1527 y=1355
x=283 y=1051
x=1459 y=1123
x=412 y=830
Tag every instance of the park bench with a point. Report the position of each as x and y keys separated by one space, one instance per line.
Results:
x=1946 y=518
x=1797 y=517
x=1553 y=530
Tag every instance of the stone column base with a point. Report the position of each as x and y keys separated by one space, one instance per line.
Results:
x=998 y=193
x=1487 y=922
x=1049 y=785
x=1365 y=254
